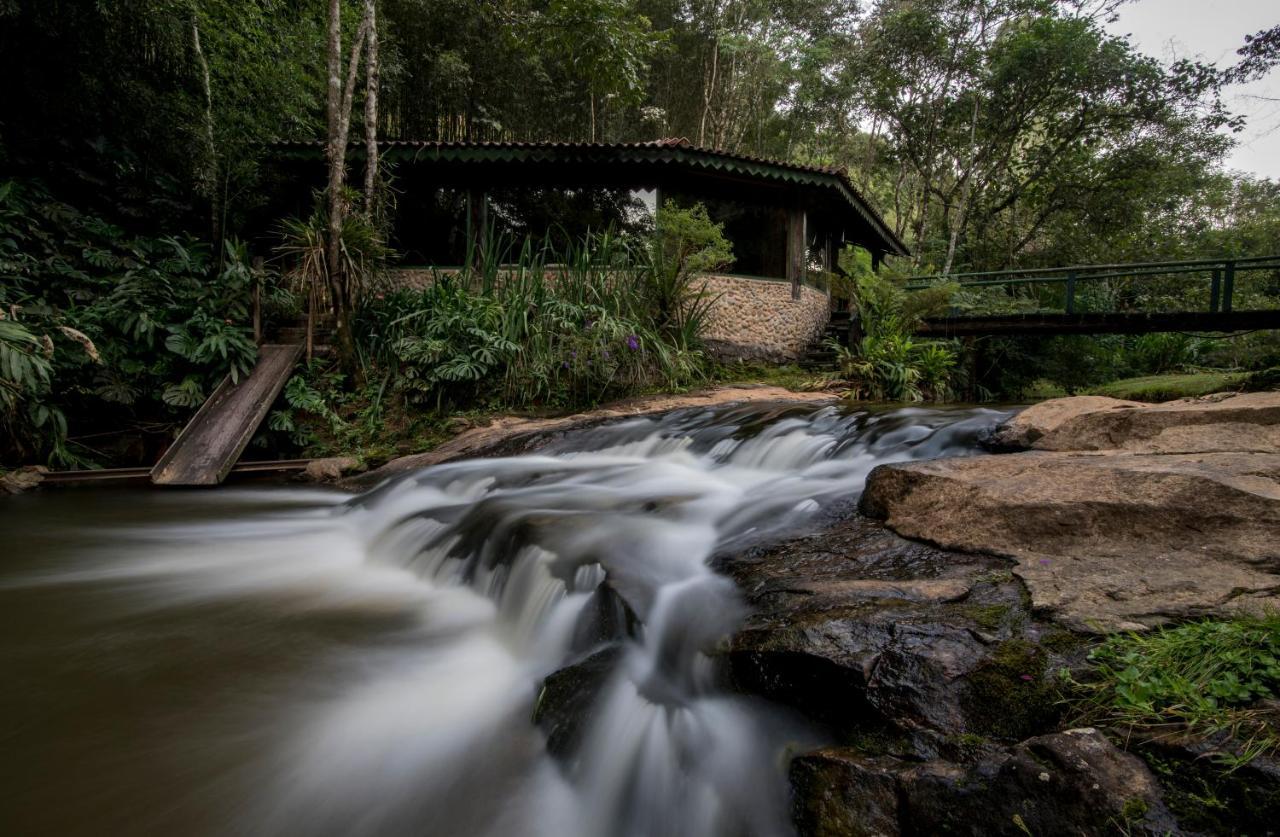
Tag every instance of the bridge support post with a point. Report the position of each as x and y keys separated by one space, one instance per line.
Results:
x=1215 y=289
x=1071 y=292
x=1228 y=285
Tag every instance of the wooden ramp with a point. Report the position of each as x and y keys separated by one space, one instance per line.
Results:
x=217 y=434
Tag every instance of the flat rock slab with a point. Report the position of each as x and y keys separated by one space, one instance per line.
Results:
x=1104 y=541
x=1244 y=423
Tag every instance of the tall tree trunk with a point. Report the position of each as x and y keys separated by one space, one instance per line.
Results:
x=371 y=113
x=335 y=150
x=209 y=174
x=338 y=104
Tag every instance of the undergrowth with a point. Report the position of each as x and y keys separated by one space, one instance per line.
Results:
x=1202 y=678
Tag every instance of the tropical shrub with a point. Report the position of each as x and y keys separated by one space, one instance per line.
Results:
x=685 y=243
x=887 y=363
x=559 y=329
x=112 y=328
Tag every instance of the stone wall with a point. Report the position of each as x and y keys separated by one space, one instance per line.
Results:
x=754 y=319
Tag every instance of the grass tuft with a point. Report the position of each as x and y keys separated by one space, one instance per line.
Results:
x=1203 y=678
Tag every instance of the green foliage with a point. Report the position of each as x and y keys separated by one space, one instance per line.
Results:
x=1157 y=388
x=101 y=325
x=685 y=244
x=303 y=247
x=1202 y=677
x=888 y=364
x=607 y=317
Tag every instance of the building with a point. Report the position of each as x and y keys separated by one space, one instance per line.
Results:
x=786 y=221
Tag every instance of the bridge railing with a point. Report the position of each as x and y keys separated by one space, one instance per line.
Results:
x=1214 y=286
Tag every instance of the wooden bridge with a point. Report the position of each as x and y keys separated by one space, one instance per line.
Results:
x=1206 y=295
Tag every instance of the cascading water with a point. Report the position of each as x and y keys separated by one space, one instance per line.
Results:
x=297 y=662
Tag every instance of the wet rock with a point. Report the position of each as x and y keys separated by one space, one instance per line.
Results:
x=878 y=637
x=837 y=792
x=332 y=468
x=1033 y=424
x=607 y=618
x=1244 y=422
x=1204 y=786
x=23 y=479
x=1073 y=782
x=1105 y=541
x=564 y=708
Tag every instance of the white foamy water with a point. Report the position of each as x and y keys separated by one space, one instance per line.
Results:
x=298 y=662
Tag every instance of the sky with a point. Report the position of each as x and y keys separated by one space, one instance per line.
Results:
x=1212 y=30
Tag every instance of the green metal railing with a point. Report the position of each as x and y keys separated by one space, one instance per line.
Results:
x=1220 y=276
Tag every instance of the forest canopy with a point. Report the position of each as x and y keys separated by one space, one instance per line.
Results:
x=990 y=133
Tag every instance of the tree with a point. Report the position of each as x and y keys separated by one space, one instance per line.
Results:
x=338 y=105
x=607 y=46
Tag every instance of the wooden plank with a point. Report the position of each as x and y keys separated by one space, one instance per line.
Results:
x=217 y=434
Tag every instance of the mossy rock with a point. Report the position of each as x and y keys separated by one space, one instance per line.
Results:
x=1010 y=696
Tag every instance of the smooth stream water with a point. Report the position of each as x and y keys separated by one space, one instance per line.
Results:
x=297 y=662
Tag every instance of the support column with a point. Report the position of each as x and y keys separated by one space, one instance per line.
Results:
x=797 y=257
x=877 y=259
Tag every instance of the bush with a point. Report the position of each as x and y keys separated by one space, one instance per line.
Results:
x=1202 y=677
x=107 y=326
x=888 y=363
x=609 y=317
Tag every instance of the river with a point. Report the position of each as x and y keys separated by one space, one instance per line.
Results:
x=292 y=661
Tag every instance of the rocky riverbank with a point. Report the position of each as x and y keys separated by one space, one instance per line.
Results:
x=935 y=635
x=932 y=634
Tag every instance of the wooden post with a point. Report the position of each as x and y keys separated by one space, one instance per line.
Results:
x=1215 y=289
x=828 y=264
x=257 y=299
x=797 y=257
x=1228 y=286
x=877 y=259
x=1071 y=292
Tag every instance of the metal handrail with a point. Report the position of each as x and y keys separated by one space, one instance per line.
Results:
x=918 y=281
x=1222 y=273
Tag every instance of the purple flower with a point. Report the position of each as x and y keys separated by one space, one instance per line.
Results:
x=1027 y=677
x=564 y=365
x=605 y=352
x=633 y=342
x=573 y=355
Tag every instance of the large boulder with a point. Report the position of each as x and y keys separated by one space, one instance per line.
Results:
x=1033 y=424
x=1073 y=782
x=876 y=636
x=1244 y=423
x=1103 y=541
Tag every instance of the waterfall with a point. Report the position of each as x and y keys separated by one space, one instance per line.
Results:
x=433 y=607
